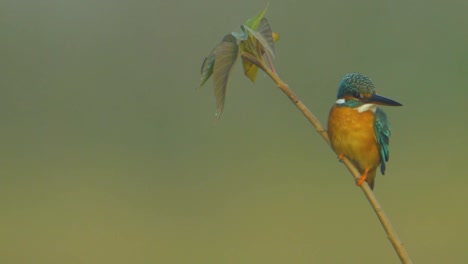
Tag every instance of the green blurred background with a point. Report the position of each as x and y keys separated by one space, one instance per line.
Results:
x=110 y=155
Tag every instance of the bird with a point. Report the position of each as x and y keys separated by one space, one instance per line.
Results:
x=358 y=129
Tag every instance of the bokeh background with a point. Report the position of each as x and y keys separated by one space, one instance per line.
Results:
x=109 y=154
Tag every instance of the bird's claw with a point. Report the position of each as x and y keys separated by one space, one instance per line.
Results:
x=363 y=177
x=340 y=157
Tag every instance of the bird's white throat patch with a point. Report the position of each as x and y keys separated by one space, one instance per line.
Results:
x=340 y=101
x=366 y=107
x=360 y=109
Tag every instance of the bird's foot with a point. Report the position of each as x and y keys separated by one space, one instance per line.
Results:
x=363 y=177
x=341 y=157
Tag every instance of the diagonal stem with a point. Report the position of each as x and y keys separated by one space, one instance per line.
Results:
x=384 y=220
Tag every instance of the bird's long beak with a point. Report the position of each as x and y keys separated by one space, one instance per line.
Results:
x=380 y=100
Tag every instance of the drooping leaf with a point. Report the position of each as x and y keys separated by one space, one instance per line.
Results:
x=207 y=67
x=225 y=58
x=255 y=21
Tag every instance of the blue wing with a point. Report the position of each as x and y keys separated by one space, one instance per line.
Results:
x=382 y=132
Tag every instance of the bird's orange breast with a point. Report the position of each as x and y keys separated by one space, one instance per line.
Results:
x=352 y=135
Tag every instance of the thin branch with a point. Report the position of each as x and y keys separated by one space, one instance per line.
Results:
x=384 y=220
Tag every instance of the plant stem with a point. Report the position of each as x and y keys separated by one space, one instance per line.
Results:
x=384 y=220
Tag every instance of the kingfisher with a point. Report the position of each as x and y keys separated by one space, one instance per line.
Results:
x=358 y=129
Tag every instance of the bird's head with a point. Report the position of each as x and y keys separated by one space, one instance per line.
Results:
x=357 y=90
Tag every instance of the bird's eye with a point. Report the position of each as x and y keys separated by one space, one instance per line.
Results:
x=358 y=95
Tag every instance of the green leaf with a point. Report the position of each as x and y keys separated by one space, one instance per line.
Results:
x=207 y=67
x=255 y=21
x=264 y=36
x=226 y=55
